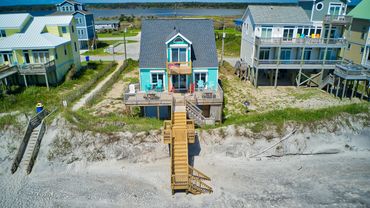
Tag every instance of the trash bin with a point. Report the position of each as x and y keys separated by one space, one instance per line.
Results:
x=87 y=58
x=39 y=107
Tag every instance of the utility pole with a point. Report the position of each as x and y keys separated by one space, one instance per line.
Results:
x=223 y=42
x=124 y=42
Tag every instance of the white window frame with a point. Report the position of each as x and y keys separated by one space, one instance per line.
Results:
x=158 y=72
x=200 y=72
x=335 y=4
x=322 y=6
x=266 y=28
x=178 y=55
x=39 y=60
x=10 y=57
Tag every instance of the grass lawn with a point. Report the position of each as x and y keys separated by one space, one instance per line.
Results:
x=101 y=46
x=25 y=99
x=116 y=34
x=232 y=43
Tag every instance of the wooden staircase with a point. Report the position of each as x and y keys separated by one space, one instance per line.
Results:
x=196 y=114
x=178 y=133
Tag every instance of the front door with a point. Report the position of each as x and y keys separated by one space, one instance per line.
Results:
x=179 y=82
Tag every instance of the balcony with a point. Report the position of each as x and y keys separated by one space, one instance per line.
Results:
x=337 y=19
x=352 y=71
x=135 y=97
x=295 y=64
x=179 y=67
x=36 y=69
x=300 y=42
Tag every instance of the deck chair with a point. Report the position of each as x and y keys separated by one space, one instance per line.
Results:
x=200 y=85
x=159 y=87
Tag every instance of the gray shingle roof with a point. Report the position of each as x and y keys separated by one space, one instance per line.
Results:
x=154 y=34
x=278 y=14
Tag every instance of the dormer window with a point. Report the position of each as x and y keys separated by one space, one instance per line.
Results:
x=178 y=55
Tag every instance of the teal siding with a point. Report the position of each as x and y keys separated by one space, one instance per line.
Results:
x=145 y=76
x=212 y=78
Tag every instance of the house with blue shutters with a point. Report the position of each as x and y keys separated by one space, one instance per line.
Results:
x=84 y=22
x=178 y=57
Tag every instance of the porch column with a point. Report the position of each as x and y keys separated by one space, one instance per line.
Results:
x=158 y=113
x=299 y=77
x=344 y=88
x=276 y=77
x=25 y=80
x=256 y=78
x=338 y=87
x=47 y=81
x=332 y=87
x=353 y=88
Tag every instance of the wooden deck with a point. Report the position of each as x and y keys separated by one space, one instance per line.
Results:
x=153 y=98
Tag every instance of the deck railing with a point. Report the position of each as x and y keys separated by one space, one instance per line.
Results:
x=337 y=19
x=300 y=41
x=36 y=68
x=153 y=97
x=179 y=67
x=352 y=70
x=296 y=62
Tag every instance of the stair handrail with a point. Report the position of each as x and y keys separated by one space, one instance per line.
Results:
x=196 y=183
x=38 y=142
x=22 y=147
x=198 y=174
x=326 y=81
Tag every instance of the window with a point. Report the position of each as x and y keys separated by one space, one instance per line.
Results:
x=79 y=20
x=319 y=6
x=264 y=53
x=332 y=33
x=65 y=50
x=362 y=49
x=285 y=53
x=40 y=57
x=200 y=76
x=26 y=57
x=70 y=8
x=7 y=58
x=75 y=46
x=157 y=77
x=178 y=55
x=335 y=9
x=349 y=46
x=266 y=32
x=288 y=33
x=2 y=34
x=73 y=29
x=64 y=29
x=64 y=9
x=307 y=54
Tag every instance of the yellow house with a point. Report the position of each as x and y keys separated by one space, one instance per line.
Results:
x=358 y=49
x=40 y=49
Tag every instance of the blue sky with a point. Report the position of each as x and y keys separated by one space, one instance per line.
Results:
x=33 y=2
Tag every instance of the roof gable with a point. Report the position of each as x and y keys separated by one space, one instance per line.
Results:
x=155 y=33
x=70 y=2
x=176 y=36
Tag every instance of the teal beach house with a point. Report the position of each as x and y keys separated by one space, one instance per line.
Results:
x=178 y=57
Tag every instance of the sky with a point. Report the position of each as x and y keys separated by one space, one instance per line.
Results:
x=34 y=2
